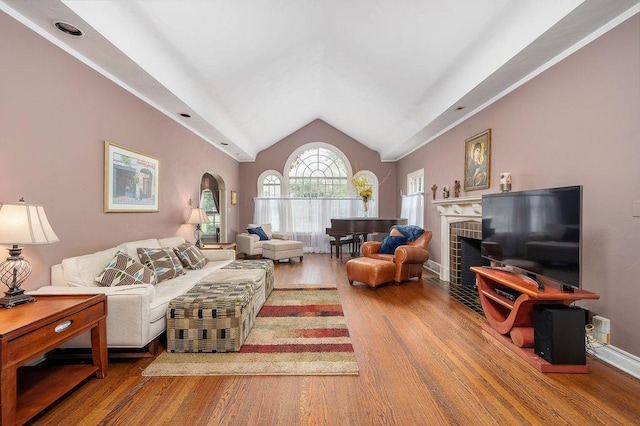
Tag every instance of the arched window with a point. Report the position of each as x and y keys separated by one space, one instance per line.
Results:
x=318 y=170
x=271 y=184
x=316 y=185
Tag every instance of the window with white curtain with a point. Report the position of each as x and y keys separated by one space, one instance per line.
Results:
x=317 y=176
x=413 y=203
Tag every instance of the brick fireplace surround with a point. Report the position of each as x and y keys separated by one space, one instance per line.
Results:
x=468 y=229
x=459 y=217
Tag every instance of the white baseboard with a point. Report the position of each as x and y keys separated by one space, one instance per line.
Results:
x=618 y=358
x=432 y=266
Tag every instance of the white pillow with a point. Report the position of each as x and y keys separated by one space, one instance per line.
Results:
x=81 y=271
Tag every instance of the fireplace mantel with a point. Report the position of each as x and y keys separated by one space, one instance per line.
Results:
x=454 y=210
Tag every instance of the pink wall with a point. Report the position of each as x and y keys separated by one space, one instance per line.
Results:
x=576 y=123
x=276 y=156
x=55 y=114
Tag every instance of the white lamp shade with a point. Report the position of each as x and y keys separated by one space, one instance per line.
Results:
x=22 y=223
x=198 y=216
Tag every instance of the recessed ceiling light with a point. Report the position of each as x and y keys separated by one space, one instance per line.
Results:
x=460 y=108
x=185 y=115
x=68 y=28
x=224 y=143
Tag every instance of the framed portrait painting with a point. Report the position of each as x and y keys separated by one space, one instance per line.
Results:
x=130 y=180
x=477 y=161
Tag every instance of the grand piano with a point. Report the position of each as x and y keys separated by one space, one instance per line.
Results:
x=360 y=226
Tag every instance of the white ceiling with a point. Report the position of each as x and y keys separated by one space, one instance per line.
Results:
x=390 y=74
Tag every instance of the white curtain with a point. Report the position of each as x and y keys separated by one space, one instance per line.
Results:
x=306 y=219
x=413 y=209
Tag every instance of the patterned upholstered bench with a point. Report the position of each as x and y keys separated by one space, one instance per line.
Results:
x=211 y=317
x=264 y=264
x=217 y=314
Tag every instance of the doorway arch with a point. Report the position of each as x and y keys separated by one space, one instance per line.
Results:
x=212 y=196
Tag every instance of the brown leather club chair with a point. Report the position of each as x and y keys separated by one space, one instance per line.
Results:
x=409 y=258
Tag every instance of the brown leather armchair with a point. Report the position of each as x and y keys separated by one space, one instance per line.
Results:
x=409 y=258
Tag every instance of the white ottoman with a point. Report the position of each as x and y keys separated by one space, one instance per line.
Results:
x=281 y=249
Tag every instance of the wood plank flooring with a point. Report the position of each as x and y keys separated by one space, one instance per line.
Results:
x=422 y=358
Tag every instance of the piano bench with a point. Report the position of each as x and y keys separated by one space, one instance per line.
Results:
x=372 y=272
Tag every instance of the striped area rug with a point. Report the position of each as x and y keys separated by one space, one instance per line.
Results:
x=299 y=331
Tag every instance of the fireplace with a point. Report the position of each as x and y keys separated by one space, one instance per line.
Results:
x=461 y=217
x=464 y=251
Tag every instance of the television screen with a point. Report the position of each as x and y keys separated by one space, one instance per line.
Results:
x=538 y=232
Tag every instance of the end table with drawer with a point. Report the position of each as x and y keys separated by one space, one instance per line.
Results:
x=32 y=329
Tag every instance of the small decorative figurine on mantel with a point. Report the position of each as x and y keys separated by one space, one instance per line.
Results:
x=433 y=190
x=445 y=191
x=456 y=189
x=505 y=182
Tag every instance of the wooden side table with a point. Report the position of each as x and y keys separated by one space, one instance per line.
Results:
x=31 y=330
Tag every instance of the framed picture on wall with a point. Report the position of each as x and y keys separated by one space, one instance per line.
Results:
x=130 y=180
x=477 y=161
x=234 y=198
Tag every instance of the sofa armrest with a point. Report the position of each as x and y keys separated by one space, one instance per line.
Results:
x=128 y=312
x=370 y=247
x=146 y=289
x=410 y=254
x=246 y=243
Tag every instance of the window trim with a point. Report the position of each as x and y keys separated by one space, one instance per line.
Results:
x=418 y=174
x=284 y=183
x=314 y=145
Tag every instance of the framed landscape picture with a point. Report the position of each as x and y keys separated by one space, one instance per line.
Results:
x=477 y=161
x=130 y=180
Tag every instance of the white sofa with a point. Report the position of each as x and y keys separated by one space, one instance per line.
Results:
x=136 y=313
x=250 y=244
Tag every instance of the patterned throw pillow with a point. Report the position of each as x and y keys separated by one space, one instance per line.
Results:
x=190 y=256
x=124 y=270
x=162 y=261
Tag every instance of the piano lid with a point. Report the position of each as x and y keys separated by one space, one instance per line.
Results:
x=361 y=225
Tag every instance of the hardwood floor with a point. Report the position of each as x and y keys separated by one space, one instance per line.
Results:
x=422 y=358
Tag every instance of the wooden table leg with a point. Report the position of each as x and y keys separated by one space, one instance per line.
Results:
x=8 y=395
x=99 y=348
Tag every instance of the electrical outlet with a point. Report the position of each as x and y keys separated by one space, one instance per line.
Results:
x=601 y=329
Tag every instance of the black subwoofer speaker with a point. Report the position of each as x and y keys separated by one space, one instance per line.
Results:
x=558 y=333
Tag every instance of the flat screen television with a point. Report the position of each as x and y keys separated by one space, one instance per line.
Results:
x=537 y=233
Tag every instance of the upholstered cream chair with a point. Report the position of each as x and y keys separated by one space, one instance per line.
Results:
x=251 y=244
x=409 y=258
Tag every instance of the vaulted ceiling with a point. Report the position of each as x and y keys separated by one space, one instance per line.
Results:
x=390 y=74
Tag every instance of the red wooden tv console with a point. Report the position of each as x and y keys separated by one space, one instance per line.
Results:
x=511 y=321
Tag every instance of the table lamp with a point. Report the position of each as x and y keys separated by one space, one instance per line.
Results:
x=197 y=217
x=20 y=223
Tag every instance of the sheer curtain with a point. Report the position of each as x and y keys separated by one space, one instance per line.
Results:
x=306 y=219
x=413 y=209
